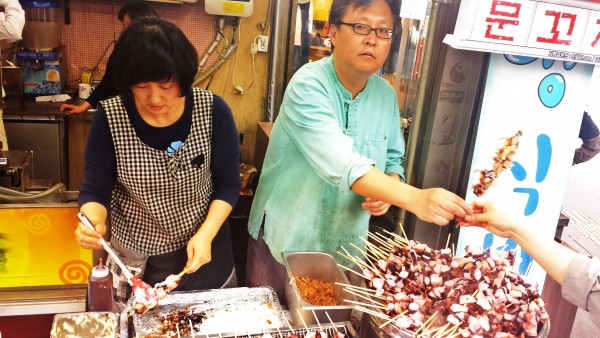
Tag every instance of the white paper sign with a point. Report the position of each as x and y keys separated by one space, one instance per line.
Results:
x=414 y=9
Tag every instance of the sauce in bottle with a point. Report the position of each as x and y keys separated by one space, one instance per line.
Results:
x=100 y=292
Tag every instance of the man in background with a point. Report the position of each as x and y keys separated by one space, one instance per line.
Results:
x=590 y=136
x=12 y=21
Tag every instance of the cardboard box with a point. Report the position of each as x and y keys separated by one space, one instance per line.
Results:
x=41 y=77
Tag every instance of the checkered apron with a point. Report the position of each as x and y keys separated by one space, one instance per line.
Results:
x=159 y=200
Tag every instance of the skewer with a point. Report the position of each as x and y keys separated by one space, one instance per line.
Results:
x=362 y=264
x=350 y=258
x=331 y=321
x=183 y=272
x=317 y=319
x=351 y=270
x=371 y=312
x=392 y=319
x=177 y=327
x=380 y=240
x=191 y=328
x=424 y=325
x=401 y=239
x=372 y=266
x=355 y=287
x=366 y=255
x=367 y=298
x=380 y=253
x=448 y=240
x=290 y=326
x=365 y=304
x=361 y=294
x=302 y=319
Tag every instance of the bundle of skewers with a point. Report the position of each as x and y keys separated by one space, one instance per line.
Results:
x=430 y=293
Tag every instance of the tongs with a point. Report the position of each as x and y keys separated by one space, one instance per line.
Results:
x=134 y=281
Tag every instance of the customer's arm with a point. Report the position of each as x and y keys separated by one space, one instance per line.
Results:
x=11 y=27
x=552 y=256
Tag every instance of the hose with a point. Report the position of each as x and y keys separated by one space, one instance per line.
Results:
x=9 y=195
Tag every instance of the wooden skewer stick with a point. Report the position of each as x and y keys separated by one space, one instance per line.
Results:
x=331 y=321
x=424 y=326
x=375 y=253
x=375 y=249
x=357 y=260
x=389 y=240
x=402 y=239
x=371 y=312
x=191 y=328
x=392 y=319
x=366 y=255
x=177 y=327
x=182 y=273
x=448 y=240
x=302 y=319
x=378 y=240
x=459 y=333
x=372 y=265
x=350 y=258
x=352 y=270
x=290 y=326
x=355 y=287
x=317 y=319
x=381 y=305
x=366 y=304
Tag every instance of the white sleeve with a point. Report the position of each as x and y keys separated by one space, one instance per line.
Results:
x=12 y=20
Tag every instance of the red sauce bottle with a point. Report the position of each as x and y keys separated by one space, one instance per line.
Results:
x=100 y=292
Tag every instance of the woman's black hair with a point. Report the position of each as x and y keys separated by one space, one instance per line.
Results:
x=153 y=50
x=339 y=8
x=136 y=10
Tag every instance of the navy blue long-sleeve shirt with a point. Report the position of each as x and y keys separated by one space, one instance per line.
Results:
x=100 y=166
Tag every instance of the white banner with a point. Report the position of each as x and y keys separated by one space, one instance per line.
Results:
x=544 y=99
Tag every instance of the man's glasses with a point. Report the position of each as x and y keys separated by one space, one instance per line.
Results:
x=362 y=29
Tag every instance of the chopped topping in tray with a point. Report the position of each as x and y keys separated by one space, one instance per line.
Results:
x=315 y=291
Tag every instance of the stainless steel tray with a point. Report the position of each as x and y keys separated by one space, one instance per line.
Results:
x=236 y=310
x=85 y=324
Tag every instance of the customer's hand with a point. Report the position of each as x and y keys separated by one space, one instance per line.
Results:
x=438 y=206
x=375 y=208
x=489 y=216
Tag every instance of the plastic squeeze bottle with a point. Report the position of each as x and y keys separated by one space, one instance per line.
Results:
x=100 y=292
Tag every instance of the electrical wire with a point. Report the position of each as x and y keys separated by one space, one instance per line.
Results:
x=242 y=89
x=263 y=26
x=9 y=195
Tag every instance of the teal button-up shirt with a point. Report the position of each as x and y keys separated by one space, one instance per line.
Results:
x=320 y=144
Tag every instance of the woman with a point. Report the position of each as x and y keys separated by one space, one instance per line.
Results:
x=163 y=158
x=130 y=11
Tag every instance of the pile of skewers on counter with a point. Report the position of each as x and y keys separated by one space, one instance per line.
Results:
x=431 y=293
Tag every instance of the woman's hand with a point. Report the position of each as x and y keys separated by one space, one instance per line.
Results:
x=489 y=216
x=438 y=206
x=88 y=238
x=75 y=109
x=198 y=252
x=375 y=208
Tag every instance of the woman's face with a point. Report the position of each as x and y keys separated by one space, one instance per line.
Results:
x=157 y=98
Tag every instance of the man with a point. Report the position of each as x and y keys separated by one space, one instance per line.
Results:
x=12 y=21
x=590 y=136
x=130 y=11
x=335 y=152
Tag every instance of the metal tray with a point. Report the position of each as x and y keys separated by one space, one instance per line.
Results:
x=236 y=310
x=85 y=324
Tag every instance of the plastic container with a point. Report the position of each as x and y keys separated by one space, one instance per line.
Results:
x=100 y=292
